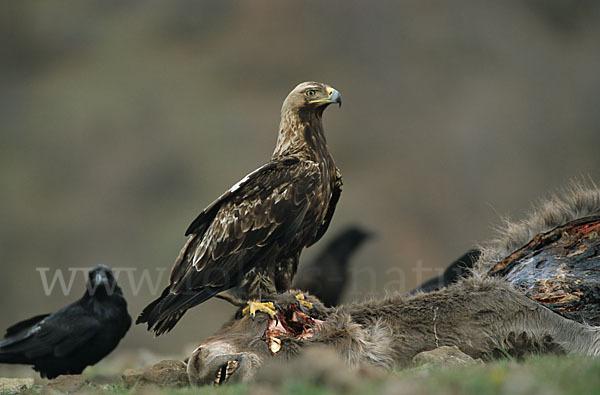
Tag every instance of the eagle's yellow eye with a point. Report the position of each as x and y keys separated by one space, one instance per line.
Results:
x=311 y=92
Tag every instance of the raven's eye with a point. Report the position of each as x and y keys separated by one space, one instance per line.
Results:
x=311 y=92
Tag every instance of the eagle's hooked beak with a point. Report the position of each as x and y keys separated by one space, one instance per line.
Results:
x=333 y=96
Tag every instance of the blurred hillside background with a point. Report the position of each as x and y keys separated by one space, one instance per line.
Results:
x=121 y=120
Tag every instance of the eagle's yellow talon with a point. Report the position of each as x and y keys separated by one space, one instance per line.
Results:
x=301 y=301
x=265 y=307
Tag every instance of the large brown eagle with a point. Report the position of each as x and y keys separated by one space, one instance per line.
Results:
x=246 y=244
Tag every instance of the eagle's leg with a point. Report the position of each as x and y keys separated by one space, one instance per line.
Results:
x=234 y=300
x=262 y=283
x=302 y=304
x=269 y=308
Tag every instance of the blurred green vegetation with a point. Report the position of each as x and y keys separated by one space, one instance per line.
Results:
x=534 y=375
x=121 y=120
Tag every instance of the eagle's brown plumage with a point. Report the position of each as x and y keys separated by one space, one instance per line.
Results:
x=248 y=241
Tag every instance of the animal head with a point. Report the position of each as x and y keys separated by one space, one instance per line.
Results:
x=219 y=363
x=233 y=354
x=311 y=97
x=102 y=282
x=351 y=239
x=239 y=348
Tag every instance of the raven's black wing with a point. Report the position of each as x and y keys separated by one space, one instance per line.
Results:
x=56 y=334
x=19 y=326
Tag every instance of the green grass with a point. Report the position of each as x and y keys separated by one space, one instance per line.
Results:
x=535 y=375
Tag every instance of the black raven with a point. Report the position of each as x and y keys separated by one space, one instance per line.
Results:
x=325 y=277
x=458 y=269
x=74 y=337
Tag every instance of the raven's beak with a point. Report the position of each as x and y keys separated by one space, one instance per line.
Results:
x=333 y=96
x=100 y=278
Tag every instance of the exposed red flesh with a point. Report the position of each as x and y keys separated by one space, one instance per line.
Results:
x=291 y=323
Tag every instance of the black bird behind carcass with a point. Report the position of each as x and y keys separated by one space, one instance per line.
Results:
x=74 y=337
x=457 y=270
x=326 y=276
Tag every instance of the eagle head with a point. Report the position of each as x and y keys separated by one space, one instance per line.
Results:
x=311 y=96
